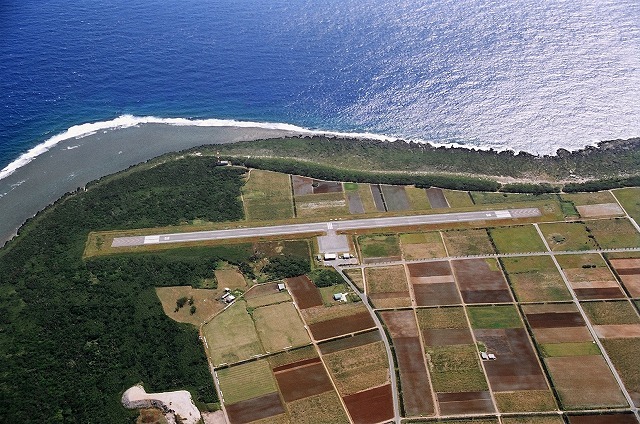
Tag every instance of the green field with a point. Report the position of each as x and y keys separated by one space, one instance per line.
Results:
x=246 y=381
x=364 y=190
x=547 y=419
x=328 y=292
x=355 y=276
x=569 y=349
x=535 y=279
x=582 y=199
x=455 y=369
x=630 y=200
x=624 y=355
x=483 y=198
x=358 y=368
x=450 y=317
x=269 y=299
x=267 y=196
x=504 y=316
x=458 y=199
x=614 y=233
x=422 y=246
x=526 y=401
x=517 y=239
x=568 y=236
x=610 y=313
x=279 y=326
x=467 y=242
x=231 y=335
x=417 y=198
x=324 y=408
x=377 y=246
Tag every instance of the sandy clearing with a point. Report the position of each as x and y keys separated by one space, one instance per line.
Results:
x=178 y=403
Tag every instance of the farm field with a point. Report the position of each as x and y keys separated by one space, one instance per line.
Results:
x=590 y=277
x=355 y=276
x=630 y=200
x=614 y=233
x=467 y=242
x=328 y=204
x=205 y=300
x=628 y=269
x=433 y=283
x=387 y=286
x=267 y=196
x=583 y=199
x=481 y=281
x=422 y=246
x=568 y=236
x=395 y=198
x=279 y=326
x=379 y=246
x=418 y=200
x=535 y=279
x=517 y=239
x=458 y=199
x=246 y=381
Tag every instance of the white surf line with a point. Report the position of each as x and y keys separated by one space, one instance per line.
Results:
x=323 y=227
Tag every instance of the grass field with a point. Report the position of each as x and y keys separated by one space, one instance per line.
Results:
x=467 y=242
x=422 y=246
x=585 y=261
x=390 y=279
x=231 y=335
x=630 y=200
x=484 y=198
x=581 y=199
x=376 y=246
x=355 y=276
x=269 y=299
x=517 y=239
x=535 y=279
x=293 y=355
x=624 y=355
x=319 y=409
x=606 y=313
x=458 y=199
x=358 y=368
x=443 y=318
x=246 y=381
x=568 y=236
x=321 y=205
x=231 y=278
x=525 y=401
x=614 y=233
x=455 y=369
x=267 y=195
x=325 y=313
x=203 y=299
x=417 y=198
x=364 y=190
x=569 y=349
x=279 y=326
x=551 y=419
x=504 y=316
x=328 y=292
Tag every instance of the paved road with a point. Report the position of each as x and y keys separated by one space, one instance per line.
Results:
x=322 y=227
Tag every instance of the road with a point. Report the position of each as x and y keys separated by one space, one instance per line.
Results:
x=323 y=227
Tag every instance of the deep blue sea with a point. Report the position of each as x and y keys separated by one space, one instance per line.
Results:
x=518 y=74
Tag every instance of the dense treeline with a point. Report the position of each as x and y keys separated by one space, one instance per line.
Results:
x=608 y=160
x=75 y=335
x=324 y=172
x=606 y=184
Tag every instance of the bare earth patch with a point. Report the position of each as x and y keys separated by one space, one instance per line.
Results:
x=175 y=404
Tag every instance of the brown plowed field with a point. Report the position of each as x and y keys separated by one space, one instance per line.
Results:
x=297 y=364
x=436 y=294
x=446 y=336
x=516 y=366
x=390 y=295
x=320 y=187
x=340 y=326
x=465 y=403
x=261 y=290
x=562 y=335
x=370 y=406
x=629 y=272
x=302 y=185
x=416 y=391
x=436 y=198
x=620 y=331
x=584 y=381
x=429 y=269
x=604 y=293
x=305 y=293
x=603 y=419
x=400 y=323
x=478 y=283
x=350 y=342
x=304 y=381
x=555 y=320
x=255 y=409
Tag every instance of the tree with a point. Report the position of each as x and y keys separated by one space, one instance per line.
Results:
x=192 y=310
x=181 y=302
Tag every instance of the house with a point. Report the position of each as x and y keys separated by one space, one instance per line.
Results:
x=330 y=256
x=492 y=356
x=230 y=298
x=340 y=297
x=484 y=356
x=281 y=287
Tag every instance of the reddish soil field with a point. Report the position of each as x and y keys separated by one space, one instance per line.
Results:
x=446 y=336
x=370 y=406
x=555 y=320
x=320 y=187
x=562 y=335
x=436 y=198
x=465 y=403
x=350 y=342
x=620 y=331
x=301 y=382
x=479 y=284
x=429 y=269
x=304 y=292
x=632 y=283
x=436 y=294
x=302 y=185
x=400 y=323
x=255 y=409
x=416 y=391
x=297 y=364
x=603 y=419
x=628 y=271
x=516 y=366
x=599 y=293
x=340 y=326
x=390 y=295
x=261 y=290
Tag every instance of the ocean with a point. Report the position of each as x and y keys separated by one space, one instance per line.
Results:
x=125 y=81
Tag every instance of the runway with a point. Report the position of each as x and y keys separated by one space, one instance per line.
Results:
x=329 y=226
